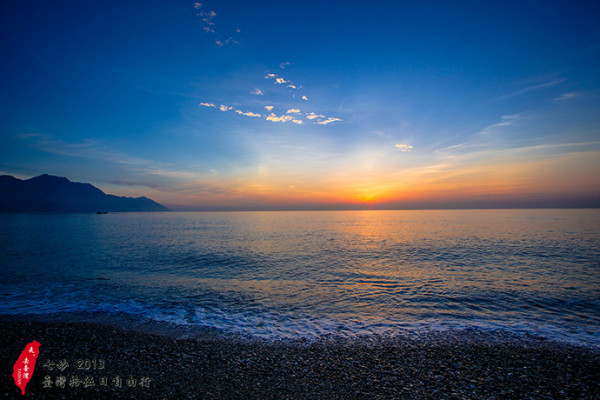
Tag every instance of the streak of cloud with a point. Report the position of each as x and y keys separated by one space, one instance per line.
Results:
x=94 y=150
x=404 y=147
x=283 y=118
x=565 y=96
x=531 y=88
x=505 y=120
x=312 y=115
x=247 y=114
x=328 y=121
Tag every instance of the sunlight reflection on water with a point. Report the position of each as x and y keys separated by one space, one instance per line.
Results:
x=308 y=273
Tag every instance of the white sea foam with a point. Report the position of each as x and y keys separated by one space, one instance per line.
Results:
x=305 y=275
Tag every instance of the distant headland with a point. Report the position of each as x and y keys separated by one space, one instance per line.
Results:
x=47 y=193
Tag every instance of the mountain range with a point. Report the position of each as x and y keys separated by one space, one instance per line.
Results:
x=47 y=193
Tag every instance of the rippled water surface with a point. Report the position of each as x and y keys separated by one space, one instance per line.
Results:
x=291 y=274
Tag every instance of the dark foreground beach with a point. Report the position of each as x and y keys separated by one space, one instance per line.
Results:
x=91 y=360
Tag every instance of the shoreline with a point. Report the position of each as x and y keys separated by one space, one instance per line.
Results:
x=469 y=365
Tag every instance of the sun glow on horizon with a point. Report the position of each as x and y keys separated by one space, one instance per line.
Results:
x=282 y=185
x=231 y=111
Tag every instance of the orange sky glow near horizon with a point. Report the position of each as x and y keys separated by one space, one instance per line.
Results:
x=222 y=106
x=498 y=180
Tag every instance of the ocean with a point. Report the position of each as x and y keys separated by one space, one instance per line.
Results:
x=307 y=274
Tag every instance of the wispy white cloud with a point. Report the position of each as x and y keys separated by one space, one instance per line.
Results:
x=283 y=118
x=532 y=88
x=290 y=115
x=505 y=120
x=94 y=150
x=566 y=96
x=312 y=115
x=207 y=18
x=469 y=152
x=404 y=147
x=271 y=116
x=282 y=81
x=224 y=107
x=229 y=40
x=29 y=135
x=86 y=148
x=328 y=121
x=284 y=64
x=248 y=114
x=151 y=185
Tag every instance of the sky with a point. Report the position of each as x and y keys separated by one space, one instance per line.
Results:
x=275 y=105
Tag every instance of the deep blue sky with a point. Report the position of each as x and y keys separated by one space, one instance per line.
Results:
x=312 y=104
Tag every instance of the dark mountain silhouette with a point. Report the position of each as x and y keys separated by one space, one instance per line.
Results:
x=47 y=193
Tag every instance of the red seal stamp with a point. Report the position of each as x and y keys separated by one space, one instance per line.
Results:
x=23 y=369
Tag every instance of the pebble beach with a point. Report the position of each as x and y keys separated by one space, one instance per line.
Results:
x=91 y=360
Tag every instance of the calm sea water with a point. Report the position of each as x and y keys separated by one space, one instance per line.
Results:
x=305 y=274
